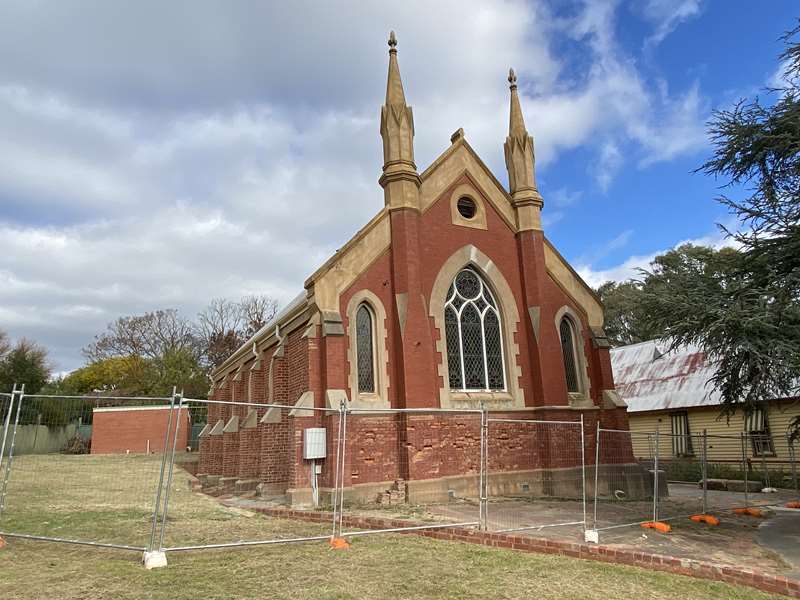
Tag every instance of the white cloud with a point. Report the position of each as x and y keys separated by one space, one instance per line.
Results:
x=154 y=157
x=607 y=165
x=629 y=268
x=680 y=130
x=666 y=15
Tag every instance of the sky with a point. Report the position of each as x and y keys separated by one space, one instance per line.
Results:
x=160 y=154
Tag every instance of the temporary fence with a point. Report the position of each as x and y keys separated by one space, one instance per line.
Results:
x=443 y=452
x=106 y=494
x=245 y=446
x=626 y=482
x=536 y=475
x=175 y=474
x=653 y=478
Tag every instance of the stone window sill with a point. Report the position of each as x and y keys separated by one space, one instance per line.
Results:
x=579 y=400
x=368 y=401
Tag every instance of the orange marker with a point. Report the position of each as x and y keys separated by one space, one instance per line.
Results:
x=658 y=526
x=753 y=512
x=339 y=544
x=708 y=519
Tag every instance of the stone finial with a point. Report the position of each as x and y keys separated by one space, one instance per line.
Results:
x=512 y=78
x=392 y=41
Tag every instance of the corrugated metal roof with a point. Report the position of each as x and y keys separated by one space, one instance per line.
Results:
x=648 y=377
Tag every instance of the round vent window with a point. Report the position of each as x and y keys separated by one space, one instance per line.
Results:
x=466 y=207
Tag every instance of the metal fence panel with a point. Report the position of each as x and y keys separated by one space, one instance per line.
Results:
x=744 y=472
x=97 y=491
x=242 y=488
x=626 y=478
x=682 y=474
x=419 y=466
x=536 y=475
x=129 y=473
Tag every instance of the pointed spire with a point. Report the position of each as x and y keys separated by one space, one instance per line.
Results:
x=516 y=122
x=520 y=162
x=397 y=131
x=394 y=85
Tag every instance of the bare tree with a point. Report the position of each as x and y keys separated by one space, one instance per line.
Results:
x=224 y=325
x=151 y=335
x=217 y=330
x=257 y=312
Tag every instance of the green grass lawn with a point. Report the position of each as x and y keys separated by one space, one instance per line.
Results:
x=56 y=495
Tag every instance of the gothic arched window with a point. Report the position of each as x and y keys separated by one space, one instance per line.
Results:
x=364 y=349
x=567 y=334
x=472 y=331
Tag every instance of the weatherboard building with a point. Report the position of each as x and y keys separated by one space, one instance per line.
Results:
x=450 y=297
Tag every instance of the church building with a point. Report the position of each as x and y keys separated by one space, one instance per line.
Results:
x=451 y=297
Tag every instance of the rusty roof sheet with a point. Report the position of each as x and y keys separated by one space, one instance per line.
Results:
x=648 y=377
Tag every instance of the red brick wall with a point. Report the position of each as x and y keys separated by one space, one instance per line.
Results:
x=295 y=381
x=205 y=463
x=377 y=279
x=119 y=431
x=443 y=444
x=372 y=448
x=214 y=459
x=438 y=240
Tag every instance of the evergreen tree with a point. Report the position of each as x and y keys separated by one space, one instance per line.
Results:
x=743 y=308
x=25 y=363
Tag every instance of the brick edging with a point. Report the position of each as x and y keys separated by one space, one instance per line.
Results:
x=766 y=582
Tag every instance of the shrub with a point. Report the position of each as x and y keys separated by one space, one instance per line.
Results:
x=77 y=445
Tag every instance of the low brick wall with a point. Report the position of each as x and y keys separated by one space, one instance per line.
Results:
x=117 y=430
x=776 y=584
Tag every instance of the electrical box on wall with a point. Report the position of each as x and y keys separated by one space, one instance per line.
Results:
x=314 y=443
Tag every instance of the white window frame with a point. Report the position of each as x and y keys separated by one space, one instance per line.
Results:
x=490 y=306
x=761 y=442
x=681 y=438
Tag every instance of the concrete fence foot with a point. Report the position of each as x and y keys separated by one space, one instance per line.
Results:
x=154 y=560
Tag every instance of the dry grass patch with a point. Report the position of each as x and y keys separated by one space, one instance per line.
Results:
x=110 y=498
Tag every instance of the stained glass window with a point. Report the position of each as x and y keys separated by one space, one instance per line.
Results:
x=473 y=335
x=366 y=364
x=568 y=350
